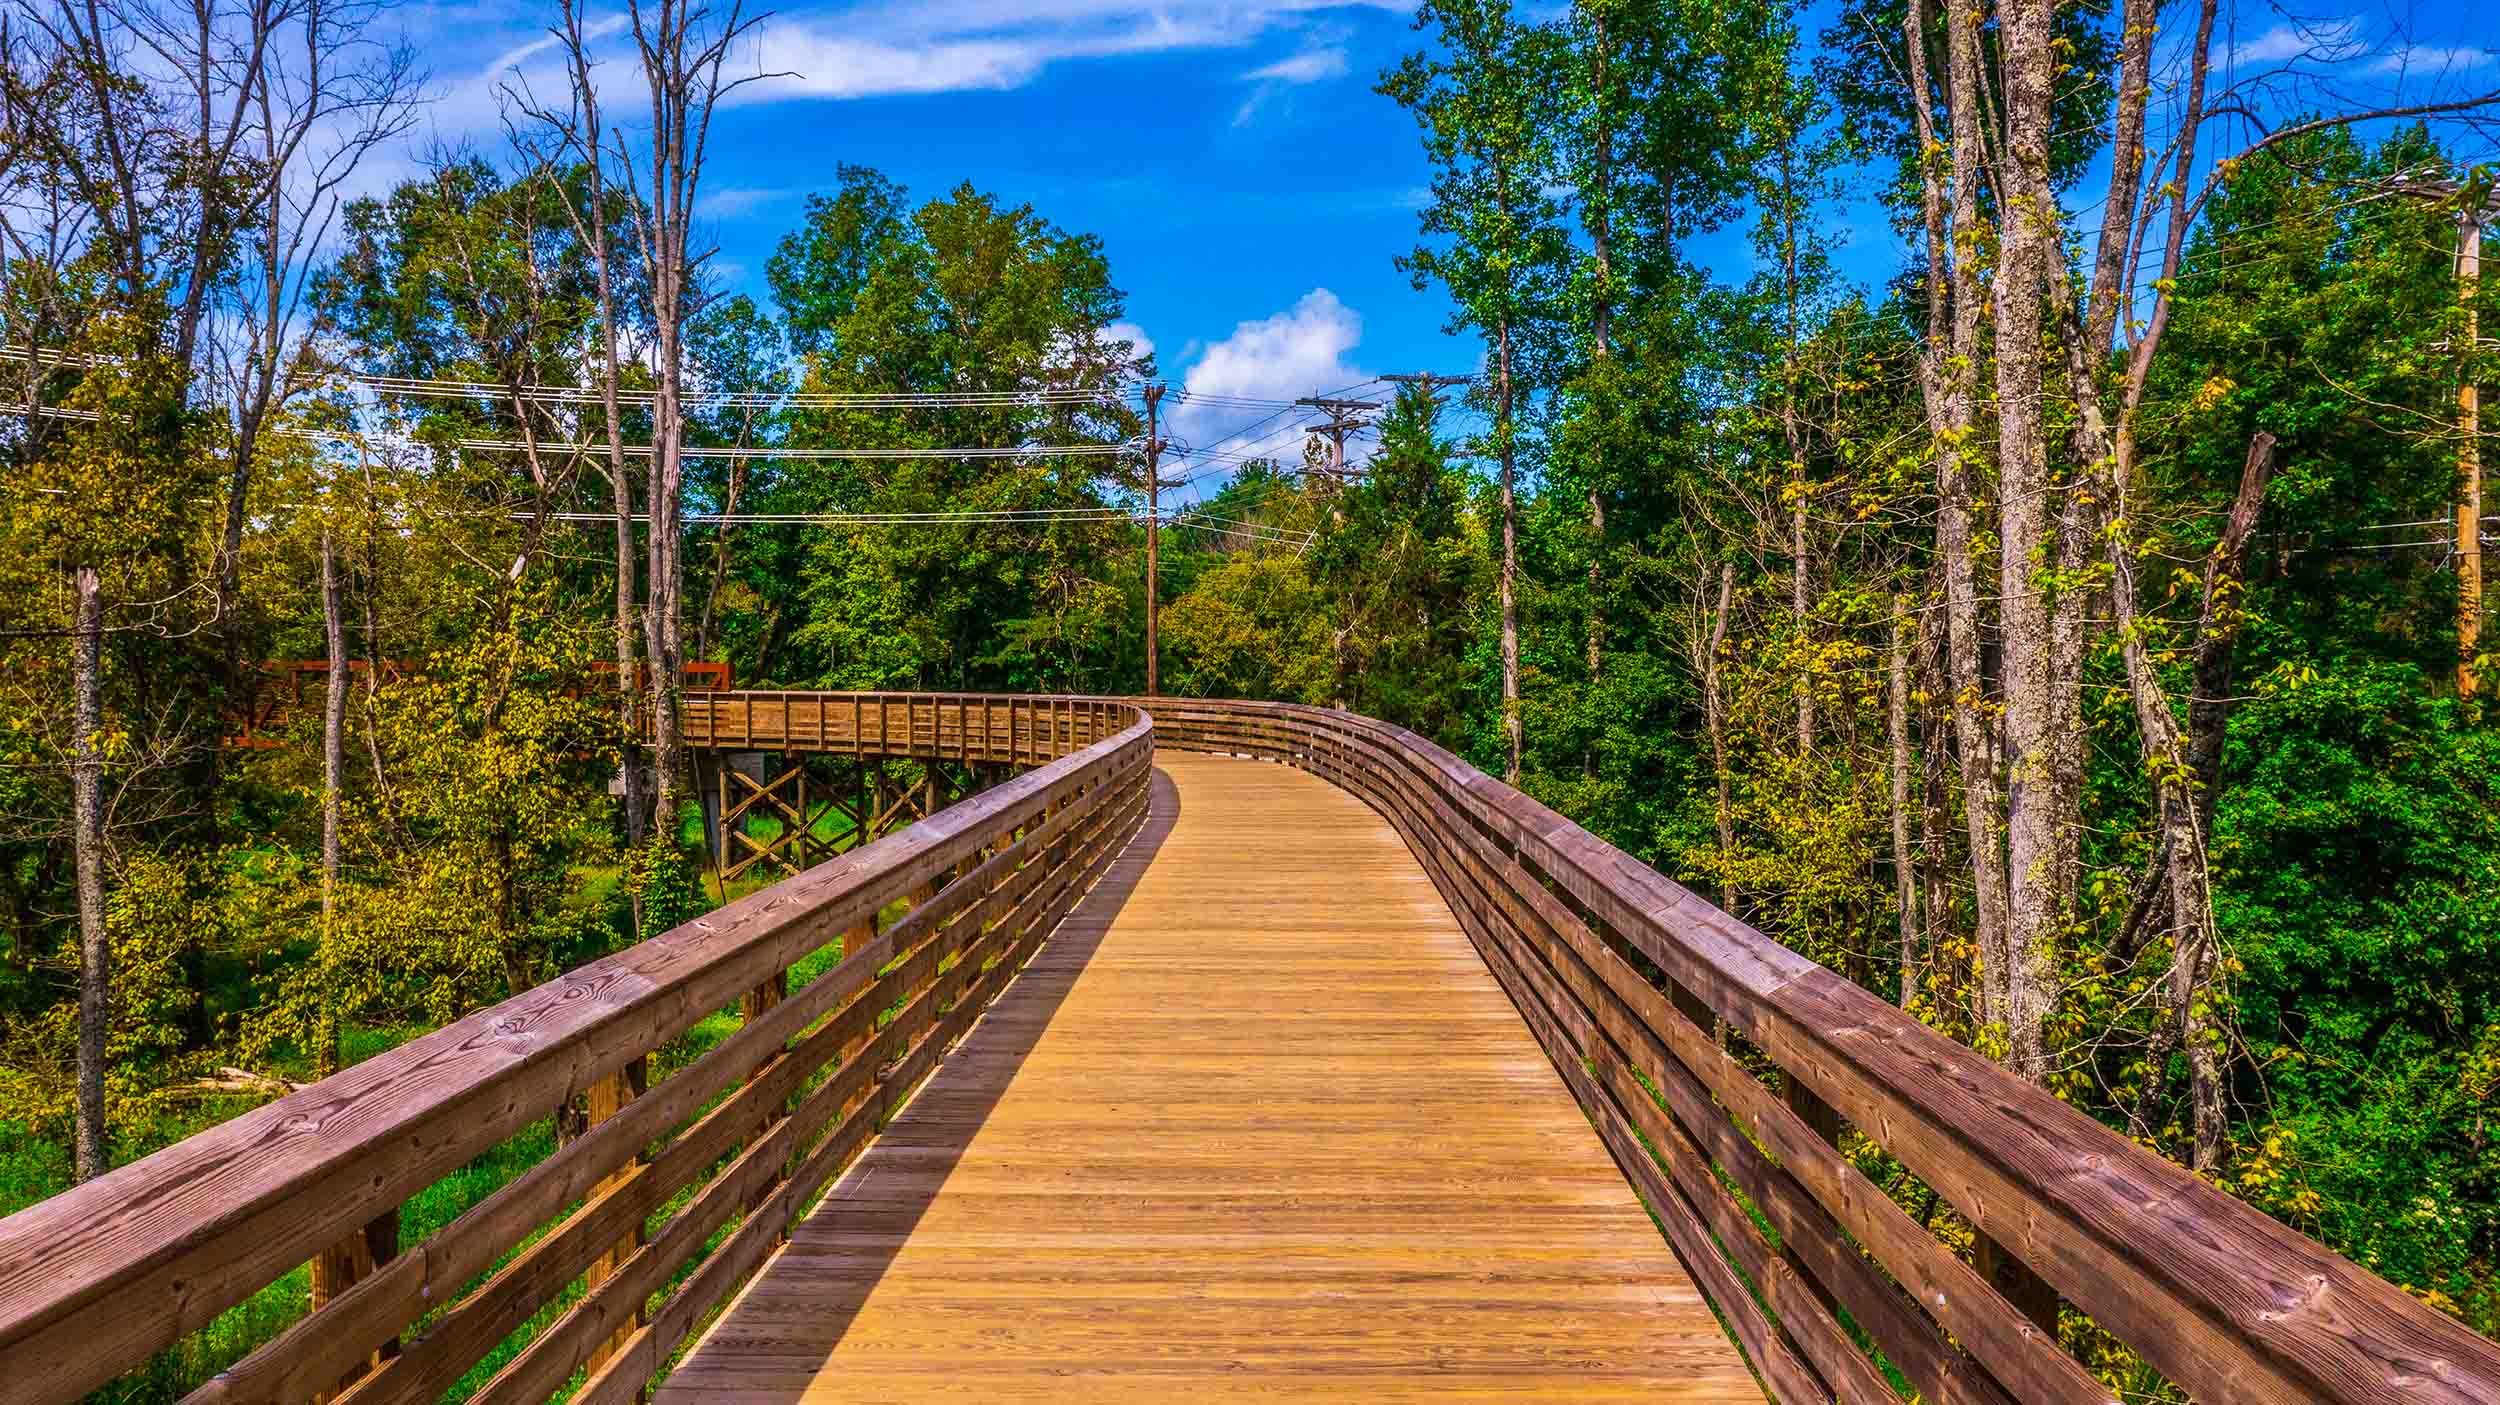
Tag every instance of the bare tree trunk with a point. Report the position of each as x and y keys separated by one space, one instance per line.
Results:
x=1897 y=730
x=1601 y=321
x=333 y=781
x=1714 y=726
x=1935 y=728
x=1511 y=722
x=95 y=951
x=583 y=130
x=1975 y=730
x=2035 y=825
x=1800 y=576
x=682 y=49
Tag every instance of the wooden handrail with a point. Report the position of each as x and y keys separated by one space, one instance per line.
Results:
x=94 y=1280
x=1637 y=988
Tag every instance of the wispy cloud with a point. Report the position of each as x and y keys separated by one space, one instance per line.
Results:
x=906 y=48
x=1310 y=66
x=804 y=61
x=733 y=202
x=2433 y=60
x=2326 y=40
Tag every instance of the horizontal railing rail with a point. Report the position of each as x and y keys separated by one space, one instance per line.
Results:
x=675 y=1190
x=1648 y=1000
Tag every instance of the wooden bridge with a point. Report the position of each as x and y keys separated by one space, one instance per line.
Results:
x=1235 y=1050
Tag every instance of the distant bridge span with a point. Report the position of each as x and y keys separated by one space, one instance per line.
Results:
x=1347 y=1077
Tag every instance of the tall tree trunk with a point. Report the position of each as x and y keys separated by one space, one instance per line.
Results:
x=628 y=663
x=1935 y=732
x=95 y=951
x=1714 y=727
x=1506 y=428
x=1601 y=322
x=333 y=781
x=2036 y=827
x=1897 y=734
x=1976 y=741
x=1800 y=573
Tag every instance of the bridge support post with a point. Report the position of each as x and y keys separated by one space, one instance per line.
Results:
x=707 y=783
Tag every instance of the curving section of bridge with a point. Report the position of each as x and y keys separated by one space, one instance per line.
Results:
x=1211 y=1048
x=1257 y=1123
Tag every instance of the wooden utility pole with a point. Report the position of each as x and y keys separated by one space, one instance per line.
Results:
x=1430 y=384
x=1344 y=417
x=1154 y=521
x=2475 y=208
x=2469 y=453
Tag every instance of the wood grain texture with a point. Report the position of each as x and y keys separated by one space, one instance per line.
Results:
x=1256 y=1123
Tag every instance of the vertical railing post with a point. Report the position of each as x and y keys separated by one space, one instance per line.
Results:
x=2014 y=1281
x=349 y=1262
x=608 y=1097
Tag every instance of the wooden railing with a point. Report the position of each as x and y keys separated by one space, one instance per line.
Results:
x=677 y=1188
x=982 y=727
x=1660 y=1011
x=1720 y=1069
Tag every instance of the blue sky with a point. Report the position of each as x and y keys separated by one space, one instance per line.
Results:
x=1250 y=187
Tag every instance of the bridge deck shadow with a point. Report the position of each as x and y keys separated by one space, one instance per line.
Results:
x=795 y=1312
x=1257 y=1123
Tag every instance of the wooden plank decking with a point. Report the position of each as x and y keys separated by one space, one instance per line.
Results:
x=1256 y=1123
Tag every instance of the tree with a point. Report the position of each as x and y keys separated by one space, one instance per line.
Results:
x=1490 y=130
x=980 y=297
x=683 y=45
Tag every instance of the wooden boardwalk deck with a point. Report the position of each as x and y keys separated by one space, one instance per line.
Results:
x=1256 y=1124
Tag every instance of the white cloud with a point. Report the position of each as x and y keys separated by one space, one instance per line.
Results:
x=2326 y=40
x=2432 y=60
x=904 y=48
x=1311 y=66
x=730 y=202
x=1303 y=350
x=1140 y=345
x=806 y=62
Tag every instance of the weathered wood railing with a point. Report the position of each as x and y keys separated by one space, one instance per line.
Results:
x=1645 y=997
x=676 y=1191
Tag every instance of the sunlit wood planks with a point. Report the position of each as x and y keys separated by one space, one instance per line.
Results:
x=1257 y=1123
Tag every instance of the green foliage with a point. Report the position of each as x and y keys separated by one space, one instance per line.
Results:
x=1252 y=627
x=493 y=763
x=2358 y=861
x=968 y=294
x=664 y=884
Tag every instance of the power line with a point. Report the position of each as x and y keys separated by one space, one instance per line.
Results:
x=692 y=451
x=968 y=516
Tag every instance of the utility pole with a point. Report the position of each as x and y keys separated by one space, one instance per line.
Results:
x=2475 y=208
x=1344 y=418
x=1154 y=521
x=1430 y=384
x=2469 y=453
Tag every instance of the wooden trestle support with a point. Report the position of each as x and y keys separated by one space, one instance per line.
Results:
x=818 y=805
